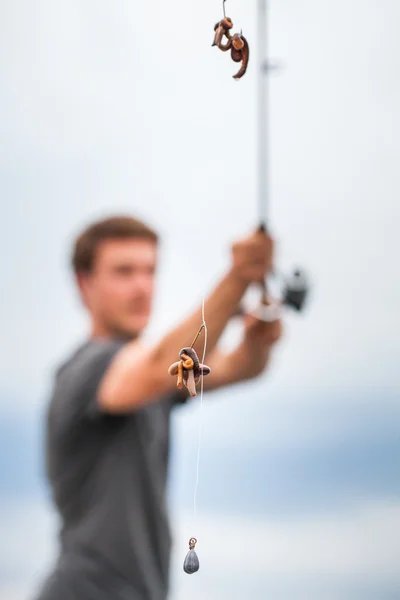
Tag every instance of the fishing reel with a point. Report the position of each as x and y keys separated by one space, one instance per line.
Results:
x=290 y=291
x=294 y=291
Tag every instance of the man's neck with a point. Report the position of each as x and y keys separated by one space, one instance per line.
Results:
x=100 y=331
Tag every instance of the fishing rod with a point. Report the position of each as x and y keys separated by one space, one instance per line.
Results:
x=295 y=286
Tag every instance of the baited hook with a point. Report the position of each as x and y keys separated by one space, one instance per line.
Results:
x=188 y=368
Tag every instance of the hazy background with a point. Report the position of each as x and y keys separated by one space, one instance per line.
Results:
x=125 y=107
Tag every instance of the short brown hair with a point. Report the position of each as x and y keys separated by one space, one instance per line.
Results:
x=117 y=227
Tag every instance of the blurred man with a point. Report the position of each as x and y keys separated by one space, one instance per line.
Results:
x=108 y=420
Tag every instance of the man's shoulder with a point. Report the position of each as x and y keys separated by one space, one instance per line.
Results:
x=88 y=354
x=77 y=378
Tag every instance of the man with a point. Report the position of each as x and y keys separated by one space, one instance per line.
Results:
x=108 y=420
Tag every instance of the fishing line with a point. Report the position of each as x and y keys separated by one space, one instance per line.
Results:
x=203 y=326
x=191 y=563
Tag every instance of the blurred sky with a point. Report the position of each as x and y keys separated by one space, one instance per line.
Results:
x=125 y=107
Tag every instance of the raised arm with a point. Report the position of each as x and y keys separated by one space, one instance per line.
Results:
x=139 y=375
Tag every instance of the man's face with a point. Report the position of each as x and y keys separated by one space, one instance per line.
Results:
x=119 y=290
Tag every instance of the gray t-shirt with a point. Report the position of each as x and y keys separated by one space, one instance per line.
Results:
x=108 y=478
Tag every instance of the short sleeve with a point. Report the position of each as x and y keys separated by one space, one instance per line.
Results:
x=75 y=394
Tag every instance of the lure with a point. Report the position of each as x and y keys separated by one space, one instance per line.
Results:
x=237 y=44
x=191 y=563
x=188 y=368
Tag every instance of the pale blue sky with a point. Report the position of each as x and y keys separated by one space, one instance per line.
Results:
x=126 y=107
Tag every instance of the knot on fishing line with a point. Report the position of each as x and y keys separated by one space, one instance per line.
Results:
x=192 y=543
